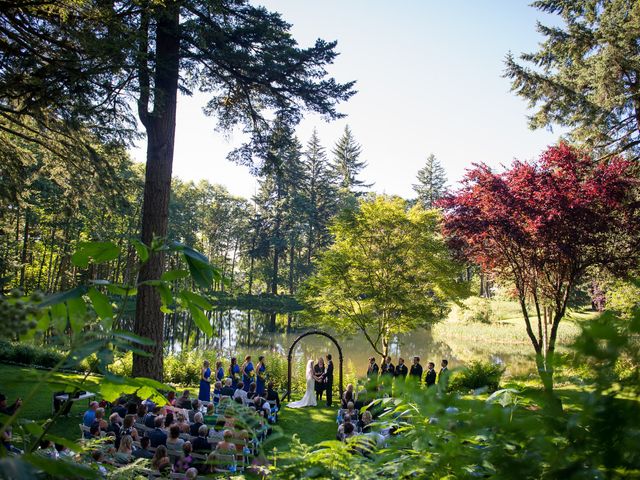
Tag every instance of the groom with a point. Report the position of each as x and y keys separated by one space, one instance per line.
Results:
x=328 y=379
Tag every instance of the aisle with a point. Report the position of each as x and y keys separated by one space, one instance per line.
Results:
x=312 y=424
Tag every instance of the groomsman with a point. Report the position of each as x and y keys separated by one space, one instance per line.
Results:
x=430 y=377
x=401 y=369
x=416 y=370
x=387 y=367
x=444 y=370
x=372 y=370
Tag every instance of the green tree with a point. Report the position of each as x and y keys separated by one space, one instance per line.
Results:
x=432 y=179
x=585 y=75
x=347 y=163
x=320 y=192
x=387 y=272
x=86 y=60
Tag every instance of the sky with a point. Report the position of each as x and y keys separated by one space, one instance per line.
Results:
x=429 y=80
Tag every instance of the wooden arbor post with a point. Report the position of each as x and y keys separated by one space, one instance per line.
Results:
x=287 y=395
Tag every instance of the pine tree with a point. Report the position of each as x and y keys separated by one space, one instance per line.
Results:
x=347 y=163
x=320 y=191
x=585 y=74
x=432 y=179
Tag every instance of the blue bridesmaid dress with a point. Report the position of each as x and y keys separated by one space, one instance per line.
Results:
x=261 y=381
x=205 y=387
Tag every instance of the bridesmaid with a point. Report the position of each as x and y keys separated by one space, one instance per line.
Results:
x=219 y=371
x=261 y=377
x=234 y=372
x=205 y=383
x=247 y=372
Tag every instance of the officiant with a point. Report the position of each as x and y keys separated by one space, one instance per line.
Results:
x=318 y=373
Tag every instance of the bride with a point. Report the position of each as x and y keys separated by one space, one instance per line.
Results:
x=309 y=399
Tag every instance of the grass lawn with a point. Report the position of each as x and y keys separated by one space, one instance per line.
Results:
x=312 y=424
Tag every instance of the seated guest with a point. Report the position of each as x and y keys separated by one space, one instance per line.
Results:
x=5 y=441
x=171 y=399
x=272 y=395
x=186 y=460
x=128 y=428
x=124 y=454
x=217 y=392
x=348 y=395
x=160 y=460
x=351 y=411
x=174 y=442
x=99 y=458
x=120 y=407
x=240 y=393
x=140 y=413
x=94 y=431
x=184 y=401
x=168 y=421
x=364 y=424
x=63 y=452
x=227 y=390
x=182 y=423
x=89 y=415
x=195 y=408
x=150 y=418
x=210 y=417
x=99 y=420
x=191 y=474
x=229 y=419
x=143 y=451
x=201 y=443
x=346 y=421
x=9 y=409
x=349 y=431
x=157 y=435
x=217 y=431
x=252 y=391
x=198 y=421
x=115 y=427
x=226 y=445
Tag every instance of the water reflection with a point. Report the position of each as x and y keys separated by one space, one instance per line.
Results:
x=238 y=330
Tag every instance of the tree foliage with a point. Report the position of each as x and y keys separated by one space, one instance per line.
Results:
x=388 y=271
x=542 y=224
x=432 y=180
x=585 y=74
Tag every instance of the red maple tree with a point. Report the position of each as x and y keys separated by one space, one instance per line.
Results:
x=541 y=224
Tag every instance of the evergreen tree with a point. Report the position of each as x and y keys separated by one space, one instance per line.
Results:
x=347 y=163
x=432 y=179
x=320 y=191
x=585 y=74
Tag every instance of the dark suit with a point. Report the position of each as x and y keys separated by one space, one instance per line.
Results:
x=430 y=378
x=328 y=379
x=150 y=420
x=401 y=371
x=157 y=437
x=387 y=369
x=372 y=371
x=416 y=372
x=142 y=453
x=228 y=391
x=193 y=429
x=201 y=444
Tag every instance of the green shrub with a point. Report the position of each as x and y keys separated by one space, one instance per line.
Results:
x=476 y=375
x=476 y=310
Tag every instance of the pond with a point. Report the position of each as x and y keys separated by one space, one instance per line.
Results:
x=238 y=330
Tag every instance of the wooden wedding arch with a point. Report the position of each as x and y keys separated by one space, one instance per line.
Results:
x=287 y=395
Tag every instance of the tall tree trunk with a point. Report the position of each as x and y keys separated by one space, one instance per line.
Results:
x=160 y=125
x=25 y=244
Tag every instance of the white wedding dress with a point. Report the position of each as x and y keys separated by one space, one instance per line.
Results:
x=309 y=399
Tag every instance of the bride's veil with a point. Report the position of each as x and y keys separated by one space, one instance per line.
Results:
x=309 y=369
